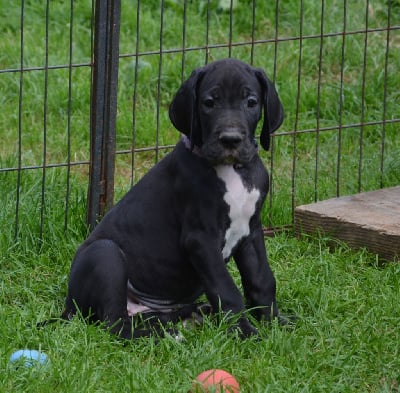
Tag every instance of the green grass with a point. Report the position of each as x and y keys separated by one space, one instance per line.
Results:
x=346 y=338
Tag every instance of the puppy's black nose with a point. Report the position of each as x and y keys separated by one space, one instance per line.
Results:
x=231 y=138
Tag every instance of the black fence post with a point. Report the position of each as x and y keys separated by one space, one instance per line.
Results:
x=103 y=109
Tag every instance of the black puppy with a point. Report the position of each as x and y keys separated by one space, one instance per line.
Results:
x=168 y=240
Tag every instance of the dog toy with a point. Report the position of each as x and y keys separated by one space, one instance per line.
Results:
x=29 y=357
x=215 y=380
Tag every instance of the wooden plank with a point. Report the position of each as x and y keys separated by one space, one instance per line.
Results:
x=369 y=219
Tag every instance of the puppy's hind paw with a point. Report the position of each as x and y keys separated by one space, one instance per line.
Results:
x=287 y=320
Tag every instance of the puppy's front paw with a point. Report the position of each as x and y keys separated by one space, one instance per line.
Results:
x=244 y=328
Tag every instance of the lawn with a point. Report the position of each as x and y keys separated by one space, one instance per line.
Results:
x=346 y=338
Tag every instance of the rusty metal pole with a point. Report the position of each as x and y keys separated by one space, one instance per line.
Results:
x=103 y=109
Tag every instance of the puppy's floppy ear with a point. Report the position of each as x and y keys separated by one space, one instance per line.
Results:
x=273 y=110
x=183 y=108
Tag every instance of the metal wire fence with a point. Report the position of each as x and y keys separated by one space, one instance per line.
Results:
x=85 y=89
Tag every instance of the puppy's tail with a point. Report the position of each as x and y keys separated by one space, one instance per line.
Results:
x=65 y=317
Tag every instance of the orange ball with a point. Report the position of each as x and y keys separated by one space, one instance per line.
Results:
x=214 y=380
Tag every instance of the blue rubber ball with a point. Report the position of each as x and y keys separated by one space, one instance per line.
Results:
x=28 y=357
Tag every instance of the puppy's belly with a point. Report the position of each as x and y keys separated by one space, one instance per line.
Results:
x=139 y=302
x=134 y=308
x=242 y=206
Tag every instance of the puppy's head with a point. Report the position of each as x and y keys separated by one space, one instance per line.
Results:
x=219 y=107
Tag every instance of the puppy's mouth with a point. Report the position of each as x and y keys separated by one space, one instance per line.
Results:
x=218 y=155
x=232 y=158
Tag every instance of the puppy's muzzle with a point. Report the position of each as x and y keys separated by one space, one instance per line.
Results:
x=231 y=138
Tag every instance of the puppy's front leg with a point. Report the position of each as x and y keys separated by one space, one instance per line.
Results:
x=258 y=281
x=218 y=284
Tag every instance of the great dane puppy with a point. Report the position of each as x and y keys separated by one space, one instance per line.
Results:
x=169 y=239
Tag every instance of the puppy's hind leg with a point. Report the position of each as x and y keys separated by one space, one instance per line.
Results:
x=98 y=288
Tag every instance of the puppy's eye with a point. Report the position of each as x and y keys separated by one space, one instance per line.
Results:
x=252 y=102
x=209 y=102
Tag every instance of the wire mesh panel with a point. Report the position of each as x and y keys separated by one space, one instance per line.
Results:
x=45 y=79
x=335 y=65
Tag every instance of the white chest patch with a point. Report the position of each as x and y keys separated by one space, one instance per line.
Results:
x=242 y=205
